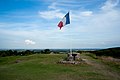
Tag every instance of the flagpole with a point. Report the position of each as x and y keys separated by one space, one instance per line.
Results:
x=71 y=38
x=71 y=50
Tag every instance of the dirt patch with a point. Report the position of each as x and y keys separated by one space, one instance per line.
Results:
x=110 y=59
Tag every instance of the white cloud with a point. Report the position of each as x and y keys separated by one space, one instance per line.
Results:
x=52 y=14
x=110 y=4
x=86 y=13
x=29 y=41
x=53 y=5
x=80 y=15
x=104 y=22
x=20 y=25
x=56 y=9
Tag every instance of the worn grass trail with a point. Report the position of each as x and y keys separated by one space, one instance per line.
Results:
x=45 y=67
x=101 y=67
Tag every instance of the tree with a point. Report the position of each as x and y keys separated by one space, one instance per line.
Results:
x=47 y=51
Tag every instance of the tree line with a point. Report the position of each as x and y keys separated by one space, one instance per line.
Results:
x=4 y=53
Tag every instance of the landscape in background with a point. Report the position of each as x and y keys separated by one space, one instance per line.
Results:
x=36 y=64
x=113 y=52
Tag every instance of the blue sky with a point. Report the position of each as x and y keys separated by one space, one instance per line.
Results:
x=32 y=24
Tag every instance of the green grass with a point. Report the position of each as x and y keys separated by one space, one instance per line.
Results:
x=115 y=65
x=45 y=67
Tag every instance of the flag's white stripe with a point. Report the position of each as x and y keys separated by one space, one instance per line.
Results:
x=64 y=21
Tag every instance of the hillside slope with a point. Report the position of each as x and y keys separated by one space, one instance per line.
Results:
x=45 y=67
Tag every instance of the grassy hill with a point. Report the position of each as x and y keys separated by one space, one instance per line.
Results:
x=113 y=52
x=45 y=67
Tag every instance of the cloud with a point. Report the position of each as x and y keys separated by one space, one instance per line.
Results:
x=110 y=4
x=19 y=25
x=29 y=42
x=51 y=14
x=86 y=13
x=69 y=4
x=52 y=6
x=56 y=9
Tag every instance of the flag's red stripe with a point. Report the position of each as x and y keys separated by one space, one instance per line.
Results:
x=60 y=24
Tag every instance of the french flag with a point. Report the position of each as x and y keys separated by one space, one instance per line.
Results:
x=64 y=21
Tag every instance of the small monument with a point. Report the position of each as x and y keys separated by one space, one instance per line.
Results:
x=73 y=58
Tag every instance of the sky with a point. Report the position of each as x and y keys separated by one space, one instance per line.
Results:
x=32 y=24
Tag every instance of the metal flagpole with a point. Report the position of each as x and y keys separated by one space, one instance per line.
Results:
x=71 y=38
x=71 y=50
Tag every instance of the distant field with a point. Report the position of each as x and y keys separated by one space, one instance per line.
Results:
x=45 y=67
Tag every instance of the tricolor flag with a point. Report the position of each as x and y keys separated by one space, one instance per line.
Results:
x=64 y=21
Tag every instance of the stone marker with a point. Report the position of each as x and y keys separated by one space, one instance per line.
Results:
x=73 y=58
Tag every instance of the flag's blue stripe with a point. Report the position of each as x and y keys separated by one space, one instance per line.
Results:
x=67 y=18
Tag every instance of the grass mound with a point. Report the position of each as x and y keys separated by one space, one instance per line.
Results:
x=45 y=67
